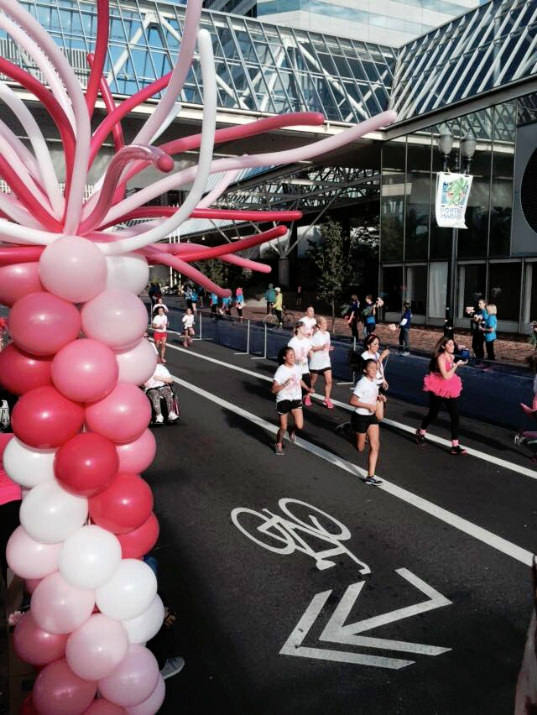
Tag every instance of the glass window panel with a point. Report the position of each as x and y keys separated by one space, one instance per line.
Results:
x=473 y=241
x=392 y=201
x=392 y=288
x=418 y=184
x=416 y=288
x=472 y=282
x=504 y=289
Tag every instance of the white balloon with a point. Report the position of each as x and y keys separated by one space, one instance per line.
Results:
x=129 y=592
x=137 y=364
x=26 y=465
x=29 y=558
x=129 y=272
x=50 y=514
x=90 y=557
x=147 y=624
x=115 y=317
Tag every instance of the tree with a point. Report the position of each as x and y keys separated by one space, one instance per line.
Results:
x=332 y=258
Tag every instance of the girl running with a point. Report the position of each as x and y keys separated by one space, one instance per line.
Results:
x=372 y=352
x=286 y=385
x=302 y=347
x=443 y=385
x=367 y=402
x=188 y=328
x=320 y=360
x=160 y=328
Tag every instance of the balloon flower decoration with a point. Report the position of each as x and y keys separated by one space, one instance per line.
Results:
x=71 y=271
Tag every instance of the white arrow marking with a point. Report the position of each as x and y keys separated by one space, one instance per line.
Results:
x=337 y=632
x=293 y=644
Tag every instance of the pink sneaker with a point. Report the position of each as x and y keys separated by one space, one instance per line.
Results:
x=328 y=403
x=307 y=401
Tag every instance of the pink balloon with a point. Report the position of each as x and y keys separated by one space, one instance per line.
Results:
x=104 y=707
x=30 y=559
x=41 y=323
x=97 y=647
x=115 y=317
x=20 y=371
x=85 y=370
x=137 y=364
x=73 y=268
x=45 y=419
x=58 y=691
x=58 y=607
x=122 y=416
x=18 y=280
x=153 y=703
x=135 y=457
x=36 y=646
x=134 y=680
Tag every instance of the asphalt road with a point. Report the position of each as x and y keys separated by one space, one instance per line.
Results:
x=422 y=610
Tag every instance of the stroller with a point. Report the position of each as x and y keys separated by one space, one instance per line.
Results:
x=164 y=406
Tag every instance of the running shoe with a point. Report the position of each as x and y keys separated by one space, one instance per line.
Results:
x=163 y=360
x=420 y=438
x=159 y=419
x=328 y=403
x=172 y=416
x=372 y=481
x=307 y=401
x=458 y=450
x=292 y=436
x=519 y=439
x=278 y=449
x=172 y=666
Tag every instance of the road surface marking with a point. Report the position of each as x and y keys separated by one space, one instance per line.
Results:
x=503 y=463
x=487 y=537
x=336 y=631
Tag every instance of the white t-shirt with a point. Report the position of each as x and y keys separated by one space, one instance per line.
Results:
x=160 y=371
x=293 y=390
x=188 y=321
x=368 y=355
x=301 y=346
x=366 y=391
x=320 y=359
x=160 y=323
x=310 y=323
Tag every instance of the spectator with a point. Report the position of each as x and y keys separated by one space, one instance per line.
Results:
x=404 y=328
x=159 y=387
x=239 y=302
x=194 y=299
x=270 y=297
x=368 y=316
x=153 y=292
x=298 y=302
x=477 y=315
x=188 y=296
x=214 y=305
x=352 y=316
x=278 y=305
x=488 y=327
x=226 y=304
x=309 y=321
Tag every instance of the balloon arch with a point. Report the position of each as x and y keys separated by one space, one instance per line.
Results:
x=71 y=272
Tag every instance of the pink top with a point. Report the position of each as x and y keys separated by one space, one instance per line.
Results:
x=439 y=386
x=9 y=491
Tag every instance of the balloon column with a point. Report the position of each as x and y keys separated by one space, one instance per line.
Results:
x=71 y=271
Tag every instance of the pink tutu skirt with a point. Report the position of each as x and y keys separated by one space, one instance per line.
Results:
x=439 y=386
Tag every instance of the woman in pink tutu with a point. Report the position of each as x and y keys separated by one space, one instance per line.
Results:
x=443 y=385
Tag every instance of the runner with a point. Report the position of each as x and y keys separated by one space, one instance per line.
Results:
x=287 y=384
x=366 y=400
x=443 y=385
x=160 y=304
x=188 y=328
x=301 y=344
x=320 y=360
x=309 y=320
x=372 y=347
x=160 y=327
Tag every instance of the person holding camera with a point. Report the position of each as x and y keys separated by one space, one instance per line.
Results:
x=477 y=317
x=369 y=316
x=444 y=386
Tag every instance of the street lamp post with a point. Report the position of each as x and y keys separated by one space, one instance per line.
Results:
x=467 y=151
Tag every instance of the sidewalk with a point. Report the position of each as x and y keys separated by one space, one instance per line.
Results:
x=512 y=348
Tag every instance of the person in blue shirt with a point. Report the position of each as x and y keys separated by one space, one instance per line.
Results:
x=489 y=329
x=194 y=299
x=226 y=304
x=214 y=305
x=404 y=328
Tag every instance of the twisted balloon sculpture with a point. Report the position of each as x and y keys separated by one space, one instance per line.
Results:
x=71 y=271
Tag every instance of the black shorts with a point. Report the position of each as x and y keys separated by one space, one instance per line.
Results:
x=321 y=370
x=360 y=423
x=285 y=406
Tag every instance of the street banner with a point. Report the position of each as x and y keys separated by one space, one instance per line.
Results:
x=452 y=192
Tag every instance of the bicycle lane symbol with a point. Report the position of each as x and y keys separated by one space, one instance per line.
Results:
x=289 y=533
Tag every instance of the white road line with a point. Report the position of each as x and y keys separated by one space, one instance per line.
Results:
x=503 y=463
x=487 y=537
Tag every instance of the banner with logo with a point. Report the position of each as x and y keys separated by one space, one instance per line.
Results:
x=452 y=192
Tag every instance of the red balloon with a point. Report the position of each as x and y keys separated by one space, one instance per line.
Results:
x=124 y=506
x=18 y=280
x=45 y=419
x=20 y=371
x=140 y=541
x=58 y=691
x=86 y=464
x=28 y=707
x=36 y=646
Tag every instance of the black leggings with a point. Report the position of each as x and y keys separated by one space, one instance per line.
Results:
x=452 y=406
